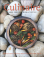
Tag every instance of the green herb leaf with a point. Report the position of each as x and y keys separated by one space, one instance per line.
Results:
x=25 y=38
x=19 y=33
x=26 y=44
x=24 y=32
x=33 y=38
x=32 y=32
x=22 y=36
x=11 y=33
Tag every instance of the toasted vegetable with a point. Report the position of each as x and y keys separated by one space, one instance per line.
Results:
x=31 y=40
x=15 y=32
x=29 y=34
x=15 y=23
x=29 y=37
x=23 y=38
x=34 y=34
x=23 y=30
x=23 y=41
x=10 y=30
x=19 y=42
x=23 y=21
x=33 y=29
x=27 y=26
x=18 y=24
x=21 y=25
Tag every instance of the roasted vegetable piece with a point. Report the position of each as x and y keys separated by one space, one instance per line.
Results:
x=23 y=21
x=10 y=30
x=31 y=40
x=18 y=24
x=21 y=25
x=34 y=34
x=27 y=26
x=29 y=37
x=15 y=23
x=33 y=29
x=19 y=42
x=15 y=32
x=23 y=38
x=23 y=30
x=14 y=28
x=29 y=34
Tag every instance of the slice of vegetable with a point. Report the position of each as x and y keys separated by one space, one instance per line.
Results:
x=34 y=29
x=23 y=30
x=23 y=21
x=10 y=30
x=26 y=40
x=15 y=32
x=19 y=33
x=19 y=42
x=18 y=24
x=23 y=41
x=22 y=38
x=21 y=25
x=31 y=40
x=26 y=44
x=34 y=34
x=29 y=34
x=15 y=23
x=29 y=37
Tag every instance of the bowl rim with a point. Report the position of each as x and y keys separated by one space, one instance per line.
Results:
x=9 y=25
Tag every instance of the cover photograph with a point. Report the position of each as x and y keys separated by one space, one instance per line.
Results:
x=21 y=28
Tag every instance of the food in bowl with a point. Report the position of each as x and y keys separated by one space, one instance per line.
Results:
x=22 y=32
